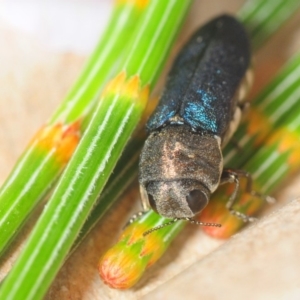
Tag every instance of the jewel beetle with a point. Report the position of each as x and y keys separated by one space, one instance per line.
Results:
x=181 y=163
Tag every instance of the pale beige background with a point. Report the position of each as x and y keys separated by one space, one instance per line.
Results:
x=261 y=262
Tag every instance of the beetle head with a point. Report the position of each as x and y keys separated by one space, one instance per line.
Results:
x=177 y=198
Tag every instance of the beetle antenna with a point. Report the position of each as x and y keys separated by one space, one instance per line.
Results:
x=202 y=223
x=160 y=226
x=177 y=219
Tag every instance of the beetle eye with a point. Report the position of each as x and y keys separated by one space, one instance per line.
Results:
x=152 y=202
x=196 y=200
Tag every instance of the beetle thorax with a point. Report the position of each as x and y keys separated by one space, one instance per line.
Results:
x=176 y=161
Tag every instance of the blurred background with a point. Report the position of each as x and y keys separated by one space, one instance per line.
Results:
x=59 y=25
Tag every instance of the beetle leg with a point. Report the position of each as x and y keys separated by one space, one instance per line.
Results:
x=145 y=205
x=233 y=176
x=144 y=197
x=244 y=107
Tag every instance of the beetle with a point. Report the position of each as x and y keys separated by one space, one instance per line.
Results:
x=181 y=163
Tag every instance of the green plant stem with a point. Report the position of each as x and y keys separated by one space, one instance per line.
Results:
x=41 y=163
x=123 y=265
x=101 y=65
x=124 y=173
x=268 y=111
x=116 y=116
x=263 y=18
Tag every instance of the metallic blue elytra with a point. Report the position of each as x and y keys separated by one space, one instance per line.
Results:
x=181 y=163
x=204 y=78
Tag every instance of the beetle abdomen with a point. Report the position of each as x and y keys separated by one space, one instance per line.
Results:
x=203 y=81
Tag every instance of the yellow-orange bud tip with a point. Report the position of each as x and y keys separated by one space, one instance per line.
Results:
x=119 y=268
x=141 y=4
x=60 y=138
x=115 y=85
